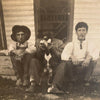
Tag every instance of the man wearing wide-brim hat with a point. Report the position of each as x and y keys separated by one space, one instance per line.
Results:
x=20 y=53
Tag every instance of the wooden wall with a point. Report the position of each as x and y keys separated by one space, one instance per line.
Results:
x=3 y=43
x=89 y=11
x=18 y=12
x=21 y=12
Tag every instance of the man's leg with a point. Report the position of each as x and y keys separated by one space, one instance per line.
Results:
x=53 y=68
x=26 y=63
x=83 y=74
x=89 y=71
x=63 y=75
x=17 y=68
x=35 y=71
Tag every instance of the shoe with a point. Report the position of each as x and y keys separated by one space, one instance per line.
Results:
x=87 y=84
x=19 y=82
x=54 y=90
x=31 y=88
x=25 y=83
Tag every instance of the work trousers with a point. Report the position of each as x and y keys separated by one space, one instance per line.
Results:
x=67 y=72
x=21 y=67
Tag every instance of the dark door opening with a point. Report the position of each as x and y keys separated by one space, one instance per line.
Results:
x=55 y=16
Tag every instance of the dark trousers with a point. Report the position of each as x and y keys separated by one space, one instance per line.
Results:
x=67 y=72
x=21 y=67
x=36 y=69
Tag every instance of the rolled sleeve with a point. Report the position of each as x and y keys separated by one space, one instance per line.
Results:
x=11 y=47
x=67 y=52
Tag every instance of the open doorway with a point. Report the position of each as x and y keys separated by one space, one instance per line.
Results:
x=55 y=16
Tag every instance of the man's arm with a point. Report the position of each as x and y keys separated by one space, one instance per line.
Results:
x=31 y=48
x=87 y=60
x=67 y=52
x=11 y=47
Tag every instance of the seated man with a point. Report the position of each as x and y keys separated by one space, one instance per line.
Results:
x=45 y=44
x=77 y=63
x=20 y=53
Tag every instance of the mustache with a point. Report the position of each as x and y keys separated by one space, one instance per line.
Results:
x=82 y=35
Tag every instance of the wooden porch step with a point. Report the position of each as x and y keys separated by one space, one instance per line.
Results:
x=6 y=70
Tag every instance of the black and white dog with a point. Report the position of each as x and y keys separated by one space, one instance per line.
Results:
x=47 y=70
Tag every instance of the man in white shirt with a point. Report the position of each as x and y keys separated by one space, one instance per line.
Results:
x=77 y=64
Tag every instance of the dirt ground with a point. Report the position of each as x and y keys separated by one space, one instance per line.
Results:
x=9 y=91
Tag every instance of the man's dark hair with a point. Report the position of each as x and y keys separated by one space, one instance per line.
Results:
x=80 y=25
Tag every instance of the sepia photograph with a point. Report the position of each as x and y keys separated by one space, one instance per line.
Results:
x=49 y=49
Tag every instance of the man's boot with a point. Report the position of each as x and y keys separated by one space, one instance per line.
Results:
x=32 y=87
x=25 y=83
x=19 y=82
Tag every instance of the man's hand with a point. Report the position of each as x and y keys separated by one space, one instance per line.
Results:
x=74 y=60
x=85 y=63
x=15 y=52
x=18 y=52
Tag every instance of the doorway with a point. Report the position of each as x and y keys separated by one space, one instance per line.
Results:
x=55 y=16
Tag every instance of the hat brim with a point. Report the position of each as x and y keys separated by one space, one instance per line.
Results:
x=17 y=29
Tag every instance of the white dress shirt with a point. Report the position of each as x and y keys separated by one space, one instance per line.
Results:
x=74 y=48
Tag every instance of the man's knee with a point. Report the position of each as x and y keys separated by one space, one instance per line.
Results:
x=34 y=60
x=27 y=55
x=62 y=65
x=69 y=63
x=66 y=63
x=34 y=63
x=93 y=63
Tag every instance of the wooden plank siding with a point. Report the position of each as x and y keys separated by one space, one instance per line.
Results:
x=19 y=12
x=88 y=11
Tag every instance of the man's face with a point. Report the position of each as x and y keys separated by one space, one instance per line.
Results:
x=81 y=33
x=20 y=36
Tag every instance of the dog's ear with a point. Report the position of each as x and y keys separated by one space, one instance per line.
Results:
x=49 y=41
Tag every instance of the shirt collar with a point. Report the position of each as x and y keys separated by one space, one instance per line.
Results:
x=21 y=43
x=79 y=41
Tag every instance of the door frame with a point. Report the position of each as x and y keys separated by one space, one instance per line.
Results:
x=71 y=15
x=2 y=28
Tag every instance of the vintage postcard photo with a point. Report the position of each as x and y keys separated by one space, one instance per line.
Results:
x=49 y=49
